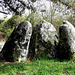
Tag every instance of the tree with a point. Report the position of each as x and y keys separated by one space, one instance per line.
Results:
x=68 y=3
x=15 y=6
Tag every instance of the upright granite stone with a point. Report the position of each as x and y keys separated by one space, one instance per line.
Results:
x=31 y=52
x=17 y=45
x=67 y=41
x=46 y=39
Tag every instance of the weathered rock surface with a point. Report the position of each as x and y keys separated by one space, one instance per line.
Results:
x=67 y=41
x=1 y=45
x=44 y=40
x=17 y=45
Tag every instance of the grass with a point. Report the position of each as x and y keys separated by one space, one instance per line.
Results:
x=39 y=66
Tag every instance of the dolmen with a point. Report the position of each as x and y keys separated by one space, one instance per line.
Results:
x=27 y=41
x=44 y=40
x=17 y=45
x=67 y=41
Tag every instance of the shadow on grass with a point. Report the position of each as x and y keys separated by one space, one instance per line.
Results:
x=49 y=58
x=41 y=63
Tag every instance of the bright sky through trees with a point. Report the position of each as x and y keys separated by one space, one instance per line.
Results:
x=45 y=6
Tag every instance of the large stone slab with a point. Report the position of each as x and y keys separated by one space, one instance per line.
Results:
x=67 y=41
x=44 y=40
x=17 y=45
x=1 y=45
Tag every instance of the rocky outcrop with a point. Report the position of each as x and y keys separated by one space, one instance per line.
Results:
x=67 y=41
x=44 y=40
x=17 y=45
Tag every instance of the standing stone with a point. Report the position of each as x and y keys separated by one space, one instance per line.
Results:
x=45 y=37
x=17 y=45
x=31 y=52
x=67 y=41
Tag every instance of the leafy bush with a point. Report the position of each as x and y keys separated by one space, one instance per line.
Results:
x=33 y=18
x=8 y=25
x=1 y=20
x=71 y=20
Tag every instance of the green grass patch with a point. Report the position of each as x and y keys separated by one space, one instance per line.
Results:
x=39 y=66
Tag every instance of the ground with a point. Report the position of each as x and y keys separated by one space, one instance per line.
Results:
x=40 y=66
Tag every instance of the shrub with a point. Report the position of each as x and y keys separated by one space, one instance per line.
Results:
x=1 y=20
x=8 y=25
x=33 y=18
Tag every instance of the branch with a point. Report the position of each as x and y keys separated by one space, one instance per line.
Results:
x=3 y=12
x=69 y=6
